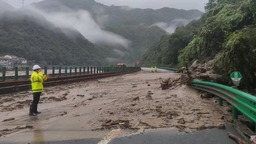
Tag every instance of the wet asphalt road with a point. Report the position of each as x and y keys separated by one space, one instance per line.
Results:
x=209 y=136
x=213 y=136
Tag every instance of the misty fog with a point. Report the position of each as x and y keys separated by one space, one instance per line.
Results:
x=4 y=7
x=133 y=24
x=83 y=22
x=171 y=27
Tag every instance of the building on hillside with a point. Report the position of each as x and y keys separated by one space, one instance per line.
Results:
x=12 y=61
x=121 y=65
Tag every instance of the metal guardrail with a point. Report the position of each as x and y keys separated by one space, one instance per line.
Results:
x=22 y=85
x=23 y=73
x=169 y=68
x=241 y=101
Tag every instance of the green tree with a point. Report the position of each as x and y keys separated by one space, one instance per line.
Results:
x=211 y=4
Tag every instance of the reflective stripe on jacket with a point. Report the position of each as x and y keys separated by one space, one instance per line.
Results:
x=37 y=79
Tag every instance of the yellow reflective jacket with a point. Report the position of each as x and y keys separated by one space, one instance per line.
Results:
x=37 y=79
x=152 y=69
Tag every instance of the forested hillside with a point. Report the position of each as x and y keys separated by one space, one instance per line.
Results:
x=166 y=51
x=37 y=40
x=30 y=33
x=226 y=38
x=135 y=25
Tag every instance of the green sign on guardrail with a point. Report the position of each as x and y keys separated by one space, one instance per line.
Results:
x=236 y=77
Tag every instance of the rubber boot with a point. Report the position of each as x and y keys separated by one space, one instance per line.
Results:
x=36 y=112
x=31 y=111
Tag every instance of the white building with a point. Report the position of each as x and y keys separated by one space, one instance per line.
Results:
x=11 y=61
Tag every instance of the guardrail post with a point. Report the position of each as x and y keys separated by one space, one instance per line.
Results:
x=234 y=113
x=70 y=70
x=75 y=70
x=220 y=101
x=66 y=71
x=27 y=72
x=84 y=70
x=53 y=71
x=88 y=70
x=254 y=127
x=94 y=70
x=59 y=71
x=99 y=69
x=45 y=70
x=16 y=73
x=4 y=73
x=80 y=70
x=91 y=70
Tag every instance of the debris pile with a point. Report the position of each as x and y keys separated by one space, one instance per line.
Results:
x=203 y=71
x=169 y=83
x=115 y=124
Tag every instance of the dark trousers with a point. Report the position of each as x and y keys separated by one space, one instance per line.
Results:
x=33 y=106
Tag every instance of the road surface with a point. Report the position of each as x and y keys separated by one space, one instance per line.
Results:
x=104 y=110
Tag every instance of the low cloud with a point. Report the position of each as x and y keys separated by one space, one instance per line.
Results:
x=4 y=7
x=83 y=22
x=119 y=52
x=111 y=60
x=171 y=27
x=126 y=8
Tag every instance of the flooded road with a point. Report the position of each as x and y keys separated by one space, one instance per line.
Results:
x=209 y=136
x=88 y=112
x=160 y=136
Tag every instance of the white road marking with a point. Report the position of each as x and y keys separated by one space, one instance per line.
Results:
x=111 y=135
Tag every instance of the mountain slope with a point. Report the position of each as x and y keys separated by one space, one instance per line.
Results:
x=34 y=38
x=227 y=38
x=136 y=25
x=166 y=51
x=223 y=40
x=30 y=34
x=119 y=14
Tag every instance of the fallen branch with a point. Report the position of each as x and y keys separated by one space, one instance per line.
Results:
x=236 y=138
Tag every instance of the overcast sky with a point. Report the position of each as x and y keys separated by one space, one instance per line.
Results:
x=155 y=4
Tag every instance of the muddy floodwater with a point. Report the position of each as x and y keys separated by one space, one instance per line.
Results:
x=131 y=103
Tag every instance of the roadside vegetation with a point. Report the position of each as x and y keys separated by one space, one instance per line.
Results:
x=224 y=38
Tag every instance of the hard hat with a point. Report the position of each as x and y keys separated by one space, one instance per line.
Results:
x=35 y=67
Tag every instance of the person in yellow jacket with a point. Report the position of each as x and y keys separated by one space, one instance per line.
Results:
x=37 y=79
x=152 y=69
x=155 y=69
